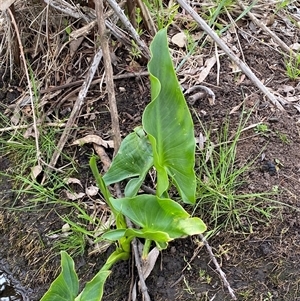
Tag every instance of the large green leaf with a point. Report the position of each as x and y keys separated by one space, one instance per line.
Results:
x=133 y=160
x=169 y=125
x=93 y=291
x=161 y=238
x=154 y=214
x=65 y=287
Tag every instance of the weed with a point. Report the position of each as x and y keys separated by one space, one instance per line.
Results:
x=191 y=43
x=262 y=129
x=188 y=289
x=282 y=5
x=292 y=65
x=283 y=137
x=204 y=277
x=135 y=52
x=246 y=295
x=220 y=181
x=269 y=297
x=74 y=243
x=213 y=12
x=163 y=16
x=139 y=21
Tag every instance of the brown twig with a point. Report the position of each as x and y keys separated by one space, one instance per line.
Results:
x=138 y=265
x=114 y=5
x=230 y=53
x=26 y=126
x=109 y=75
x=94 y=82
x=218 y=268
x=147 y=19
x=280 y=42
x=76 y=109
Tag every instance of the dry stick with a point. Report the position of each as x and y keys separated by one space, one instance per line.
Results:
x=95 y=81
x=143 y=286
x=36 y=133
x=114 y=5
x=115 y=120
x=76 y=109
x=109 y=75
x=231 y=55
x=147 y=19
x=282 y=45
x=26 y=126
x=218 y=268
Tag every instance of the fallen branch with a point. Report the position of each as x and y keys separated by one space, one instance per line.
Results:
x=76 y=109
x=94 y=82
x=26 y=126
x=231 y=55
x=218 y=268
x=109 y=75
x=114 y=5
x=115 y=124
x=280 y=42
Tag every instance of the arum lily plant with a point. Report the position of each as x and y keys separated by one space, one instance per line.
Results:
x=164 y=142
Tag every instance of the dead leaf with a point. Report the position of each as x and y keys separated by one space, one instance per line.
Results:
x=179 y=39
x=287 y=89
x=209 y=63
x=92 y=190
x=235 y=68
x=200 y=140
x=292 y=98
x=242 y=77
x=65 y=228
x=211 y=101
x=72 y=181
x=74 y=45
x=295 y=46
x=297 y=106
x=94 y=139
x=236 y=108
x=5 y=4
x=148 y=264
x=100 y=151
x=74 y=196
x=35 y=171
x=30 y=133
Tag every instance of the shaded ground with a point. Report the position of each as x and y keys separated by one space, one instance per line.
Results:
x=262 y=263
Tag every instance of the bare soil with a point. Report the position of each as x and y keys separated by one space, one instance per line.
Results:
x=262 y=263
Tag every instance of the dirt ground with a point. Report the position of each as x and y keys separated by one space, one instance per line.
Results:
x=262 y=263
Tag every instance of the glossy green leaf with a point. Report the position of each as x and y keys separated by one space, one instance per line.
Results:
x=169 y=125
x=154 y=214
x=65 y=287
x=160 y=238
x=93 y=291
x=113 y=235
x=133 y=160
